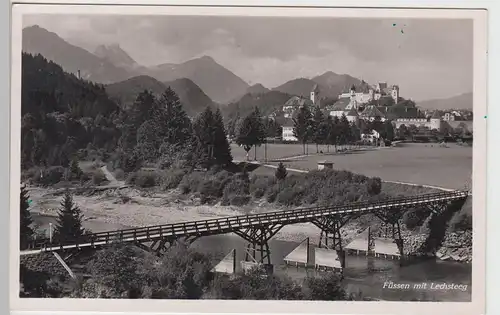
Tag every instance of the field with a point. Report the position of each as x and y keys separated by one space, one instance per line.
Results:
x=422 y=164
x=274 y=151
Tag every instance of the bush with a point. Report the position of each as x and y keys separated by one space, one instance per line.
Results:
x=190 y=182
x=325 y=288
x=98 y=177
x=254 y=286
x=260 y=184
x=415 y=218
x=239 y=200
x=210 y=189
x=374 y=186
x=171 y=179
x=143 y=179
x=272 y=193
x=119 y=174
x=48 y=176
x=462 y=220
x=237 y=186
x=290 y=196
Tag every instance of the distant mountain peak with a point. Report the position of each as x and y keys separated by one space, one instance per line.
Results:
x=116 y=55
x=73 y=59
x=219 y=83
x=257 y=88
x=207 y=58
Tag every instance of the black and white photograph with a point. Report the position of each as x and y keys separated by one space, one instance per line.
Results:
x=247 y=157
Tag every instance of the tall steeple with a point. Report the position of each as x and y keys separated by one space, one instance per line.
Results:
x=315 y=98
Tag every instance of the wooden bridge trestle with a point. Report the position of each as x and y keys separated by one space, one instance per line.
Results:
x=258 y=229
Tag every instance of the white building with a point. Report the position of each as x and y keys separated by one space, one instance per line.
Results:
x=435 y=122
x=371 y=137
x=287 y=134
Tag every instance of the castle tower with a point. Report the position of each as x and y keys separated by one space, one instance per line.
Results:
x=315 y=95
x=435 y=121
x=371 y=94
x=395 y=93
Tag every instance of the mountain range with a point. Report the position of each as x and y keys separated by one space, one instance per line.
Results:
x=462 y=101
x=37 y=40
x=193 y=80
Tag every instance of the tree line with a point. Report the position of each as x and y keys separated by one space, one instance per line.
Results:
x=66 y=118
x=308 y=127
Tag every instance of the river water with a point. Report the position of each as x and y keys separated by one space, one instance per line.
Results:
x=375 y=278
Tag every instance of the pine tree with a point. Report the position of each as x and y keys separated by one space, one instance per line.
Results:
x=344 y=130
x=281 y=172
x=251 y=132
x=222 y=150
x=69 y=221
x=302 y=126
x=75 y=169
x=211 y=139
x=25 y=231
x=258 y=129
x=245 y=135
x=318 y=127
x=173 y=122
x=202 y=128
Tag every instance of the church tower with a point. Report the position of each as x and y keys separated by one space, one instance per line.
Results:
x=315 y=95
x=395 y=93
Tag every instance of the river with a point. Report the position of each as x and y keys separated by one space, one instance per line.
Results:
x=367 y=275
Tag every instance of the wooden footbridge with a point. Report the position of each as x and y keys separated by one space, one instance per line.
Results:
x=258 y=229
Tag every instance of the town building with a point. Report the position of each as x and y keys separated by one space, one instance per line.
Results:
x=434 y=122
x=287 y=133
x=296 y=102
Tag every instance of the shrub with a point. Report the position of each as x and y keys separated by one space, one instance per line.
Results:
x=190 y=182
x=145 y=179
x=281 y=172
x=254 y=286
x=272 y=193
x=325 y=288
x=98 y=177
x=289 y=197
x=119 y=174
x=260 y=184
x=210 y=189
x=374 y=186
x=462 y=220
x=239 y=200
x=171 y=179
x=237 y=186
x=415 y=218
x=49 y=176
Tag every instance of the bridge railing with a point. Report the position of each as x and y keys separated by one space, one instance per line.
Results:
x=242 y=221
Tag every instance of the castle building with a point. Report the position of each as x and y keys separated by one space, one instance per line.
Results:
x=371 y=102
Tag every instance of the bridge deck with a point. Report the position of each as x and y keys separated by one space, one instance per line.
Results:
x=234 y=223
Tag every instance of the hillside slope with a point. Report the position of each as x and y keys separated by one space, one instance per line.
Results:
x=220 y=84
x=37 y=40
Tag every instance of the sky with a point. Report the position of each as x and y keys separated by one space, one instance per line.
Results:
x=427 y=58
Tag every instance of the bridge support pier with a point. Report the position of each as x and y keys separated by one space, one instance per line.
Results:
x=390 y=229
x=257 y=251
x=331 y=236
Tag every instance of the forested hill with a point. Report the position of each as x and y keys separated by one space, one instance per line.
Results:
x=61 y=114
x=46 y=88
x=267 y=103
